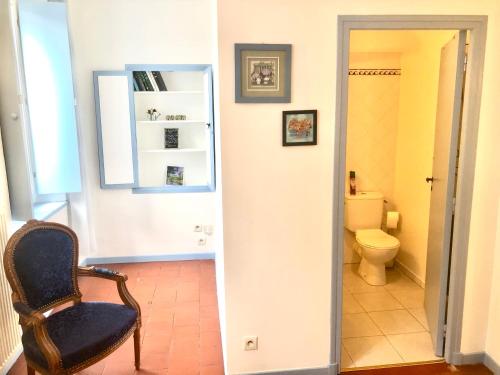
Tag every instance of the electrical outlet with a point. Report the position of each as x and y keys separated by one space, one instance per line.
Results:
x=198 y=228
x=251 y=343
x=202 y=242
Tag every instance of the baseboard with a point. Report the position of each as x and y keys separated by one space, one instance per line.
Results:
x=149 y=258
x=475 y=358
x=467 y=358
x=11 y=360
x=331 y=370
x=407 y=272
x=493 y=365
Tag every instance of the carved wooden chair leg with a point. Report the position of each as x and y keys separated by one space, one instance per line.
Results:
x=137 y=348
x=31 y=371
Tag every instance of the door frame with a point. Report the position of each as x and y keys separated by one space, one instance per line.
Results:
x=476 y=25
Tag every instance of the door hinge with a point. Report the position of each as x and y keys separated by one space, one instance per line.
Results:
x=444 y=329
x=454 y=203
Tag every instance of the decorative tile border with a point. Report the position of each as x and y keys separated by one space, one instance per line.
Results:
x=374 y=72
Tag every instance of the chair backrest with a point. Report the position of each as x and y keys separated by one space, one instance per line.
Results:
x=41 y=261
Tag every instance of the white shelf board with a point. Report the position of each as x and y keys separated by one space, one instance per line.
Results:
x=167 y=150
x=168 y=123
x=174 y=92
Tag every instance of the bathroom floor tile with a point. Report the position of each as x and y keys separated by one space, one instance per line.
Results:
x=410 y=298
x=355 y=284
x=358 y=325
x=371 y=351
x=397 y=281
x=345 y=359
x=350 y=305
x=420 y=315
x=414 y=347
x=379 y=301
x=396 y=322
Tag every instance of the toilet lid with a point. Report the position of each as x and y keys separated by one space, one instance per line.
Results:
x=376 y=239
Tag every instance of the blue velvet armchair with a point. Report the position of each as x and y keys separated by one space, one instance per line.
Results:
x=41 y=264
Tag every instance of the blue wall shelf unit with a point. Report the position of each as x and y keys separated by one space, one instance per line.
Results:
x=170 y=150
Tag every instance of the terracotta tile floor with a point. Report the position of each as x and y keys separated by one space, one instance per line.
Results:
x=180 y=333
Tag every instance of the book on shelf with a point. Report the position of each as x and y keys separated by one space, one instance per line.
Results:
x=142 y=81
x=147 y=81
x=138 y=81
x=172 y=138
x=175 y=175
x=159 y=81
x=153 y=82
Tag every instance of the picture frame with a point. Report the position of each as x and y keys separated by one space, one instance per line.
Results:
x=175 y=175
x=300 y=128
x=263 y=73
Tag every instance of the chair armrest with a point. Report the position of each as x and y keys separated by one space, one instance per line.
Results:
x=120 y=279
x=30 y=316
x=37 y=320
x=103 y=273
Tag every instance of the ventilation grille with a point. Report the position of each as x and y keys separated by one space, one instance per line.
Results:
x=9 y=329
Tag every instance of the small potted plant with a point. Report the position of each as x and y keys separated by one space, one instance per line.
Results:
x=153 y=114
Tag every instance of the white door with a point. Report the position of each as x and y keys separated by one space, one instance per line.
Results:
x=451 y=73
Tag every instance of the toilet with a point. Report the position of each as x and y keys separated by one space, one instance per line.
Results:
x=363 y=217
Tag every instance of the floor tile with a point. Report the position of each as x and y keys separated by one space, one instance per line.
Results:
x=350 y=305
x=355 y=284
x=420 y=315
x=395 y=322
x=409 y=298
x=345 y=359
x=192 y=346
x=358 y=325
x=212 y=370
x=396 y=281
x=414 y=347
x=378 y=301
x=371 y=351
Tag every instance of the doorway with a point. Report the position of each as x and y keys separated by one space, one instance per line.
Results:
x=402 y=87
x=443 y=300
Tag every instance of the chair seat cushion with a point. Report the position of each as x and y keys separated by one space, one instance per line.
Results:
x=82 y=331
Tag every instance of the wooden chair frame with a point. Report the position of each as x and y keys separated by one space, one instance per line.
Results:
x=29 y=317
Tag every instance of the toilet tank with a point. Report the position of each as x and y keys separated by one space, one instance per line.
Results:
x=363 y=211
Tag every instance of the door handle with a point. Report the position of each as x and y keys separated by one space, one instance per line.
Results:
x=429 y=179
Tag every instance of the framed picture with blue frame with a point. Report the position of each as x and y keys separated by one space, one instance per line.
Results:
x=263 y=73
x=300 y=128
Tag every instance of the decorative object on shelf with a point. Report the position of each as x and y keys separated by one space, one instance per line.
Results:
x=175 y=117
x=300 y=128
x=263 y=73
x=153 y=114
x=172 y=138
x=175 y=175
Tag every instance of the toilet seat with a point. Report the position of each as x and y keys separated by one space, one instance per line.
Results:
x=376 y=239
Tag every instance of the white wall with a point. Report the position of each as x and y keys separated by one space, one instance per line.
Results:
x=278 y=247
x=106 y=35
x=372 y=123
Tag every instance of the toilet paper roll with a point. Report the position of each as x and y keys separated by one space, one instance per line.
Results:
x=392 y=219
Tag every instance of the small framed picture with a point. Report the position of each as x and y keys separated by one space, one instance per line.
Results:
x=171 y=138
x=300 y=128
x=263 y=73
x=175 y=175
